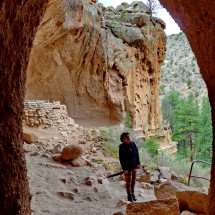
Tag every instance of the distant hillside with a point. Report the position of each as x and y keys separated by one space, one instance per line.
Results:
x=180 y=70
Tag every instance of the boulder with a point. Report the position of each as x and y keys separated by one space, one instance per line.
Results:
x=79 y=162
x=121 y=7
x=155 y=176
x=144 y=177
x=157 y=207
x=140 y=20
x=56 y=157
x=176 y=177
x=56 y=149
x=30 y=147
x=165 y=190
x=139 y=6
x=71 y=152
x=30 y=138
x=146 y=186
x=192 y=201
x=165 y=173
x=130 y=35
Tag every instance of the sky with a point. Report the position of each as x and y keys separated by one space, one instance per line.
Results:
x=171 y=25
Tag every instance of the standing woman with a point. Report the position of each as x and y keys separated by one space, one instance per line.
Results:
x=129 y=160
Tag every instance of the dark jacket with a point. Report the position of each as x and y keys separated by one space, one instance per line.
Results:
x=128 y=156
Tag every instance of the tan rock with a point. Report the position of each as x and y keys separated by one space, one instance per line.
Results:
x=165 y=173
x=94 y=150
x=56 y=157
x=192 y=201
x=176 y=177
x=71 y=152
x=121 y=203
x=79 y=162
x=164 y=191
x=30 y=147
x=157 y=207
x=30 y=138
x=145 y=177
x=146 y=186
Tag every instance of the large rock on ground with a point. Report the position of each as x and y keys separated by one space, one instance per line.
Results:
x=192 y=201
x=29 y=137
x=158 y=207
x=189 y=198
x=165 y=190
x=71 y=152
x=80 y=162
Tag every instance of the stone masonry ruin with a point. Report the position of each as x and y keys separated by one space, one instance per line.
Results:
x=41 y=112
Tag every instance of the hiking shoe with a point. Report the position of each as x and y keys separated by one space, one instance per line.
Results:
x=130 y=199
x=133 y=197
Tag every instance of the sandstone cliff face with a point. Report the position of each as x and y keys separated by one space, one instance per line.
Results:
x=100 y=62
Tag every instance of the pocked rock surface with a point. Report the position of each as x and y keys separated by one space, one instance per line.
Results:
x=100 y=62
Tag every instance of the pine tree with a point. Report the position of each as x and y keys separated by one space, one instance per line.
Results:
x=186 y=125
x=205 y=135
x=169 y=104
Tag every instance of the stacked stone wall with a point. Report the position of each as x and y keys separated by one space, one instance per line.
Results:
x=41 y=112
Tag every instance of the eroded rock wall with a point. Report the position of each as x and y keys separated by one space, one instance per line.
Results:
x=100 y=62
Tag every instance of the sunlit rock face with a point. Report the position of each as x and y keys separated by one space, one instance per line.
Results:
x=100 y=62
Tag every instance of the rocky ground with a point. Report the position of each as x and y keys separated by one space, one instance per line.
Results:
x=61 y=188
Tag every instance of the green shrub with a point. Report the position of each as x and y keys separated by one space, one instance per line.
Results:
x=122 y=13
x=183 y=70
x=111 y=140
x=111 y=148
x=189 y=83
x=114 y=22
x=151 y=144
x=175 y=75
x=161 y=92
x=128 y=120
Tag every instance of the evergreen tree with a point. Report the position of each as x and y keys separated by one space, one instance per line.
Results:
x=205 y=135
x=169 y=104
x=186 y=125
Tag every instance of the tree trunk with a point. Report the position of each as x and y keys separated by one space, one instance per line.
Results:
x=191 y=148
x=18 y=20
